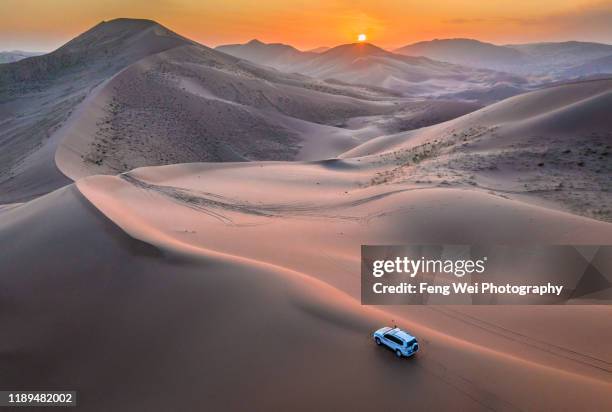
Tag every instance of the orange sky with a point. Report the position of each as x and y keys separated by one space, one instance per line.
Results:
x=46 y=24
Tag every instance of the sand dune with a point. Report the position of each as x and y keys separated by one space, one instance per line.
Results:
x=193 y=104
x=300 y=338
x=550 y=146
x=200 y=108
x=131 y=93
x=39 y=93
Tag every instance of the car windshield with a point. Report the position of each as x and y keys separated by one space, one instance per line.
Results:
x=411 y=342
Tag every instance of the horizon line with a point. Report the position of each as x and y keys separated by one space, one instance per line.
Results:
x=302 y=49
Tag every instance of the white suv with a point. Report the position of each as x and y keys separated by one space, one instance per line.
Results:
x=402 y=343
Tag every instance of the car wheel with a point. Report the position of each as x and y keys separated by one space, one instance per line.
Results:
x=398 y=353
x=377 y=341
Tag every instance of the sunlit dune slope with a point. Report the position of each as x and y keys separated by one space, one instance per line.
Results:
x=144 y=294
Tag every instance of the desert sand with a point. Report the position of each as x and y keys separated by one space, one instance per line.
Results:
x=193 y=283
x=38 y=94
x=548 y=146
x=203 y=248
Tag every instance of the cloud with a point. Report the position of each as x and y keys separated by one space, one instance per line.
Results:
x=592 y=21
x=496 y=20
x=464 y=21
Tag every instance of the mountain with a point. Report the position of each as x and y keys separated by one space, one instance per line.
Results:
x=343 y=62
x=565 y=60
x=542 y=62
x=466 y=52
x=364 y=63
x=321 y=49
x=279 y=56
x=16 y=55
x=367 y=64
x=598 y=66
x=563 y=53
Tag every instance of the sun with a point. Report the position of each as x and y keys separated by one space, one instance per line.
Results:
x=361 y=38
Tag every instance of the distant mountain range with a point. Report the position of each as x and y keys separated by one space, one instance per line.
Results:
x=16 y=55
x=467 y=52
x=540 y=62
x=277 y=55
x=367 y=64
x=554 y=60
x=319 y=49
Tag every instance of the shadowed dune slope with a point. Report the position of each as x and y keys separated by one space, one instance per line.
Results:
x=38 y=94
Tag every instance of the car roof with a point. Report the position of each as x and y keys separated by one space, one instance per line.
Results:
x=403 y=335
x=397 y=332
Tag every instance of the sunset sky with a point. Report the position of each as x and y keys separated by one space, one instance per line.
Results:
x=44 y=25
